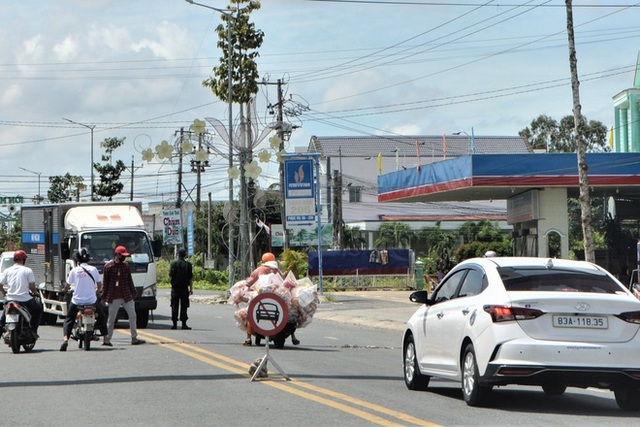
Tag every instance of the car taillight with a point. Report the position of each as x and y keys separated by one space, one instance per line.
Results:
x=88 y=311
x=630 y=316
x=504 y=313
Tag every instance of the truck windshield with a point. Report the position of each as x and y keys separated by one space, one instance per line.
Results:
x=102 y=244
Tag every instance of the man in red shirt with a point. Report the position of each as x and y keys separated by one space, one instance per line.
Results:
x=118 y=291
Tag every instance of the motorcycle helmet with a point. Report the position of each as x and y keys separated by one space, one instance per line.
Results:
x=268 y=256
x=82 y=255
x=19 y=255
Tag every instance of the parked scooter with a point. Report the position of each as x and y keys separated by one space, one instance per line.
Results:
x=18 y=330
x=84 y=328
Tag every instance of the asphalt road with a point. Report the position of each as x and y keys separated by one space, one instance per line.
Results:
x=346 y=371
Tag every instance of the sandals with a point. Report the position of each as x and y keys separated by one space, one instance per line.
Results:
x=247 y=342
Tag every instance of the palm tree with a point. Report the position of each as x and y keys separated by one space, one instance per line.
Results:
x=353 y=238
x=394 y=235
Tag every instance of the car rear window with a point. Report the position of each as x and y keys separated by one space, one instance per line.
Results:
x=542 y=279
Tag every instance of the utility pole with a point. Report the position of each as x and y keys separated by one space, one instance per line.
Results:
x=133 y=169
x=179 y=199
x=281 y=135
x=283 y=213
x=337 y=209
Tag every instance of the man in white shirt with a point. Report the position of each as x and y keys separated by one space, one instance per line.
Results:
x=86 y=283
x=20 y=280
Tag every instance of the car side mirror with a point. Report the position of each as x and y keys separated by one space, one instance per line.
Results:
x=420 y=297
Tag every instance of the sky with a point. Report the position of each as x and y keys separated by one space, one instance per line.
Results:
x=134 y=70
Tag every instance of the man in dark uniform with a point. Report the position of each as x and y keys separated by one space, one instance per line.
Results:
x=181 y=275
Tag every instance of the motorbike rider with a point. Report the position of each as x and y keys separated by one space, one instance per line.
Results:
x=21 y=287
x=86 y=283
x=269 y=265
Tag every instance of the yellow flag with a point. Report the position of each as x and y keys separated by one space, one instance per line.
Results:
x=611 y=138
x=379 y=163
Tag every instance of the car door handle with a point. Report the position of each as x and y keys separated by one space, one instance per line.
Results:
x=465 y=311
x=440 y=315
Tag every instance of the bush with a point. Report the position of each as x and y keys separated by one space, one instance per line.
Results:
x=202 y=279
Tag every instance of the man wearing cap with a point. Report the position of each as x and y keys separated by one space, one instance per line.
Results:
x=118 y=291
x=20 y=281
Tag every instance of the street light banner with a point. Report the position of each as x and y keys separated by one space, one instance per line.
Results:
x=172 y=227
x=190 y=238
x=300 y=193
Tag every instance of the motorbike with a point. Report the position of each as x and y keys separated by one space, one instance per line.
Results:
x=84 y=326
x=279 y=338
x=18 y=332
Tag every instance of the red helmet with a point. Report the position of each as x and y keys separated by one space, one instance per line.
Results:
x=268 y=256
x=19 y=255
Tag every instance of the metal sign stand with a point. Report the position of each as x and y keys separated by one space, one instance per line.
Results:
x=263 y=363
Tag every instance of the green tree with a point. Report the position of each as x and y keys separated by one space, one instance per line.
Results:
x=10 y=234
x=64 y=188
x=546 y=133
x=354 y=238
x=245 y=40
x=110 y=184
x=394 y=235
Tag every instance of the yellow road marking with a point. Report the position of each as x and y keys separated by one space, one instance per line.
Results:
x=294 y=387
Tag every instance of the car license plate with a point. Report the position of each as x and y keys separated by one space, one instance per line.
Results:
x=589 y=322
x=13 y=318
x=88 y=319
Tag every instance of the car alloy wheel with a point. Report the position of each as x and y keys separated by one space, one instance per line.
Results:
x=412 y=376
x=472 y=392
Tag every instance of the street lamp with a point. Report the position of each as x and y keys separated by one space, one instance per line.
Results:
x=229 y=14
x=472 y=140
x=90 y=127
x=35 y=173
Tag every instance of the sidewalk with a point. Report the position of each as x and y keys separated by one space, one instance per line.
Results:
x=378 y=309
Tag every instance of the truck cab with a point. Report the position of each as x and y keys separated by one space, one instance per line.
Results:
x=52 y=234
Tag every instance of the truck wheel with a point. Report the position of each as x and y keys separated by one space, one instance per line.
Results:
x=142 y=318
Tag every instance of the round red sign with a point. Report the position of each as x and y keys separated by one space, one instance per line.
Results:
x=268 y=314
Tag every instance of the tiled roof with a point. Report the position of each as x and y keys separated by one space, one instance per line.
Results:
x=430 y=145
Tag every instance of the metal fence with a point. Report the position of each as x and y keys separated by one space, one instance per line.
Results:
x=368 y=282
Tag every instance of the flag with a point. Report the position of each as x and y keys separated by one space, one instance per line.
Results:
x=379 y=163
x=397 y=159
x=611 y=138
x=263 y=226
x=444 y=146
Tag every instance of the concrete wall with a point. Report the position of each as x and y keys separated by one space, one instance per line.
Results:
x=553 y=218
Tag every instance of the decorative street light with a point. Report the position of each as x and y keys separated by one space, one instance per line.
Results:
x=91 y=128
x=472 y=140
x=229 y=14
x=35 y=173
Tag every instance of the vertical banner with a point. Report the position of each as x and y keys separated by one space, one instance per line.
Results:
x=172 y=227
x=300 y=194
x=277 y=236
x=190 y=233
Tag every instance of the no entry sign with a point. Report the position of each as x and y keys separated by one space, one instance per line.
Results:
x=268 y=314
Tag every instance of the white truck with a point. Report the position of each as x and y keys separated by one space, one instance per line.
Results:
x=52 y=234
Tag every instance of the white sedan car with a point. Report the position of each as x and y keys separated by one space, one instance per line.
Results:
x=532 y=321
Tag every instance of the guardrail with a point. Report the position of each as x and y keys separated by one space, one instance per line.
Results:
x=368 y=282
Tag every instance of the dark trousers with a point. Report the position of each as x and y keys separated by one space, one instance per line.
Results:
x=72 y=312
x=179 y=301
x=35 y=308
